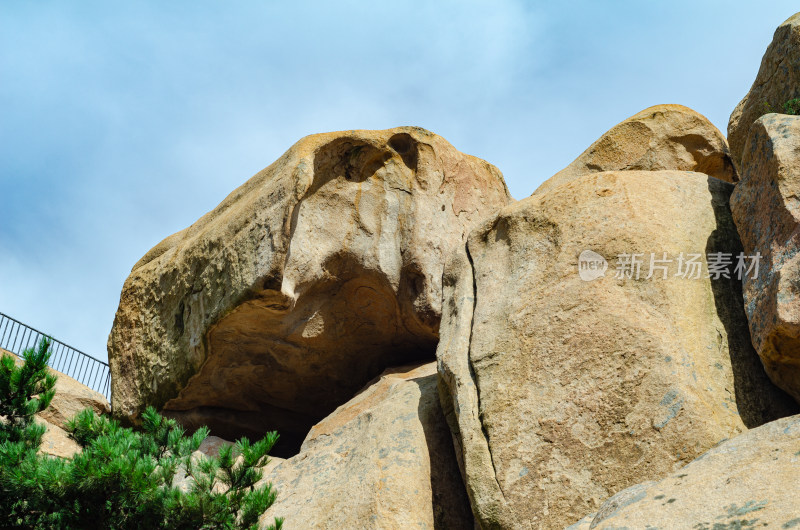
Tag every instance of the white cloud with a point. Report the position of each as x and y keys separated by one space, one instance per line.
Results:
x=124 y=123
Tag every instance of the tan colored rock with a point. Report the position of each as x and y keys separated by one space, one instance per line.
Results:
x=661 y=137
x=583 y=524
x=211 y=446
x=777 y=81
x=382 y=460
x=302 y=285
x=71 y=398
x=766 y=209
x=56 y=441
x=561 y=392
x=750 y=481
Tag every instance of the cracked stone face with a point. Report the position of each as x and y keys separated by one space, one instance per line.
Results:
x=766 y=210
x=301 y=286
x=561 y=392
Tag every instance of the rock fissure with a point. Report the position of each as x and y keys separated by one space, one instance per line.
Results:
x=473 y=376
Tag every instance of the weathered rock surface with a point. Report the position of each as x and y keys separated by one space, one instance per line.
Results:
x=777 y=81
x=211 y=446
x=750 y=481
x=301 y=286
x=661 y=137
x=583 y=524
x=766 y=210
x=561 y=392
x=56 y=441
x=71 y=398
x=384 y=459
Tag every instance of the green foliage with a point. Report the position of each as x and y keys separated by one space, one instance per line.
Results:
x=122 y=478
x=792 y=107
x=24 y=391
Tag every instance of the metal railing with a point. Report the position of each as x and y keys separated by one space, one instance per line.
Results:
x=16 y=337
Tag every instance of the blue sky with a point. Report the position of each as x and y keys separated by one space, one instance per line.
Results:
x=122 y=123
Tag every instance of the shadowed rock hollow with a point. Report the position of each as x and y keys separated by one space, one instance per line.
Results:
x=301 y=286
x=384 y=459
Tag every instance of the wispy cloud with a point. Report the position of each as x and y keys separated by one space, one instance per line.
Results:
x=123 y=123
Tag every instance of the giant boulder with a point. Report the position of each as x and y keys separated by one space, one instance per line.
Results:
x=658 y=138
x=750 y=481
x=301 y=286
x=766 y=209
x=561 y=392
x=384 y=459
x=777 y=81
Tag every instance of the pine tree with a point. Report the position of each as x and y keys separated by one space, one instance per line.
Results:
x=122 y=478
x=25 y=391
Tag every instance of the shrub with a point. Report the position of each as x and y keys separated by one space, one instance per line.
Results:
x=792 y=107
x=122 y=478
